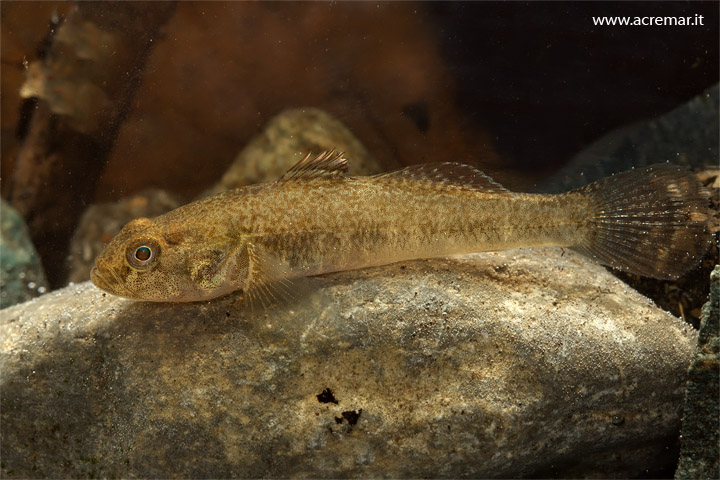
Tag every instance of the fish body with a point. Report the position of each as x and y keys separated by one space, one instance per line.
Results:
x=316 y=220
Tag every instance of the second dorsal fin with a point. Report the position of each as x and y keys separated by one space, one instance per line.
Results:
x=448 y=173
x=327 y=164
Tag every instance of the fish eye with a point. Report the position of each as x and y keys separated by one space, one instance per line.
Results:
x=142 y=254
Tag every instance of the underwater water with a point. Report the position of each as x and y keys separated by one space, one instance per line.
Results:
x=117 y=111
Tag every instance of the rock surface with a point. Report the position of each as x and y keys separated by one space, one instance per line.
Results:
x=530 y=362
x=21 y=275
x=699 y=456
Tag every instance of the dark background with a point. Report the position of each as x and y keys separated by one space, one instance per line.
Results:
x=546 y=81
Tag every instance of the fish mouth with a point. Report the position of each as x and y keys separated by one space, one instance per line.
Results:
x=98 y=280
x=102 y=283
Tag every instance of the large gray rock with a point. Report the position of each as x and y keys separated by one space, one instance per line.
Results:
x=521 y=363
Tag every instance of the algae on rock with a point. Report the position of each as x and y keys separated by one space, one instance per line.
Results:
x=21 y=275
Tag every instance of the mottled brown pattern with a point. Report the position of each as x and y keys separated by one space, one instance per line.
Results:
x=314 y=220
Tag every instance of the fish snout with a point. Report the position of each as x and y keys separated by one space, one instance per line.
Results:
x=106 y=279
x=97 y=279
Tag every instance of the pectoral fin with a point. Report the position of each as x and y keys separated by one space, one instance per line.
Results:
x=268 y=280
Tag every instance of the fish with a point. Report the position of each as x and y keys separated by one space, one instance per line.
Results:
x=315 y=219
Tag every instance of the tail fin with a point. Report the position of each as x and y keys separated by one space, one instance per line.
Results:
x=653 y=221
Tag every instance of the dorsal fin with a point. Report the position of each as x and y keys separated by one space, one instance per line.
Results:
x=448 y=173
x=327 y=164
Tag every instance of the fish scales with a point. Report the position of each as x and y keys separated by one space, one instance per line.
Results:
x=315 y=220
x=368 y=222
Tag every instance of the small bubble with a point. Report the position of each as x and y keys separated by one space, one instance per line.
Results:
x=31 y=285
x=42 y=290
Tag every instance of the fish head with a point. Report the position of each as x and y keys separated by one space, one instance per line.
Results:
x=145 y=262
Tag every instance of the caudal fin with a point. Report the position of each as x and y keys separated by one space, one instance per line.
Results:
x=653 y=221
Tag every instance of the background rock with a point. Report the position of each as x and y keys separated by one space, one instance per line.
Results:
x=688 y=135
x=286 y=139
x=521 y=363
x=21 y=274
x=699 y=457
